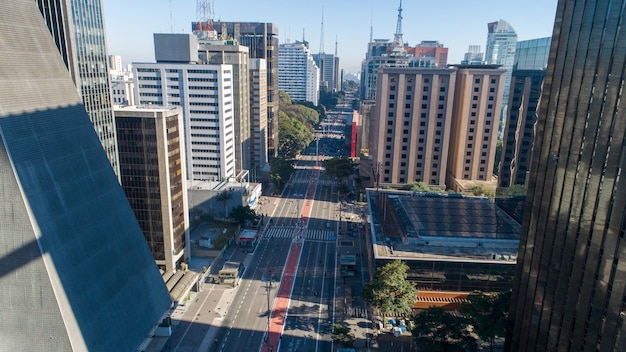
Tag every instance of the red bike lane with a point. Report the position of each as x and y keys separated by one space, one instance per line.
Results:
x=283 y=295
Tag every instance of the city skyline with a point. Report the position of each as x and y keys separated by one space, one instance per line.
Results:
x=352 y=33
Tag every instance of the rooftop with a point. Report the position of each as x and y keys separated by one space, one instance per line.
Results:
x=441 y=227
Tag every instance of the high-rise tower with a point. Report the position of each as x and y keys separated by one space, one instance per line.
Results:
x=500 y=50
x=77 y=27
x=76 y=273
x=570 y=287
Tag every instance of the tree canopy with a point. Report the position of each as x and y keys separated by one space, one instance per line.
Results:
x=488 y=314
x=437 y=330
x=390 y=291
x=343 y=335
x=338 y=167
x=418 y=186
x=295 y=126
x=280 y=171
x=243 y=214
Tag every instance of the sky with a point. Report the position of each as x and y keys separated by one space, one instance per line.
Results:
x=454 y=23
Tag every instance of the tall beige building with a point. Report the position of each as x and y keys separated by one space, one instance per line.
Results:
x=258 y=115
x=410 y=125
x=436 y=126
x=231 y=53
x=475 y=122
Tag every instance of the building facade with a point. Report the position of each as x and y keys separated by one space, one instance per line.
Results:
x=258 y=116
x=473 y=56
x=77 y=27
x=229 y=52
x=205 y=94
x=326 y=64
x=500 y=50
x=262 y=42
x=531 y=59
x=298 y=75
x=75 y=271
x=570 y=283
x=428 y=53
x=410 y=127
x=475 y=119
x=152 y=174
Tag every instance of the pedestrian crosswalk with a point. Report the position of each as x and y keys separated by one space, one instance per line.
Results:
x=321 y=182
x=291 y=232
x=357 y=312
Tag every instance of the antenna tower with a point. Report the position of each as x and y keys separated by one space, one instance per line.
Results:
x=322 y=35
x=397 y=38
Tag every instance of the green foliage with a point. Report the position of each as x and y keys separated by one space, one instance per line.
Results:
x=339 y=167
x=222 y=239
x=480 y=191
x=293 y=137
x=283 y=98
x=243 y=214
x=514 y=190
x=295 y=126
x=390 y=291
x=329 y=99
x=342 y=335
x=350 y=85
x=437 y=330
x=418 y=186
x=280 y=171
x=319 y=108
x=488 y=314
x=224 y=197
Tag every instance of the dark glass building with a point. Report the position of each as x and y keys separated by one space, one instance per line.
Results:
x=75 y=271
x=570 y=287
x=77 y=27
x=531 y=58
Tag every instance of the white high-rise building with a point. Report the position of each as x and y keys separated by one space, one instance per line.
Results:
x=298 y=75
x=205 y=94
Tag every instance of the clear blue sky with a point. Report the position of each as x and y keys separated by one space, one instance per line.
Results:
x=454 y=23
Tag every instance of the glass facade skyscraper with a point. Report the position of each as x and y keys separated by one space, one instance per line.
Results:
x=570 y=287
x=77 y=27
x=500 y=50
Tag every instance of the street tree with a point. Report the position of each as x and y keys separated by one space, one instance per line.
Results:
x=243 y=214
x=293 y=135
x=342 y=335
x=390 y=291
x=437 y=330
x=488 y=314
x=280 y=170
x=224 y=197
x=342 y=167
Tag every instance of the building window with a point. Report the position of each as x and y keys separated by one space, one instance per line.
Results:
x=391 y=105
x=476 y=89
x=403 y=156
x=390 y=114
x=392 y=96
x=389 y=130
x=406 y=123
x=425 y=97
x=475 y=97
x=407 y=106
x=388 y=139
x=389 y=123
x=422 y=123
x=477 y=80
x=392 y=88
x=425 y=89
x=407 y=114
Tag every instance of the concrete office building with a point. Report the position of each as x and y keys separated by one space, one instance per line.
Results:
x=78 y=30
x=204 y=92
x=531 y=59
x=428 y=53
x=298 y=75
x=570 y=281
x=410 y=127
x=475 y=118
x=262 y=42
x=75 y=271
x=473 y=56
x=152 y=173
x=123 y=89
x=258 y=116
x=228 y=52
x=500 y=50
x=326 y=64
